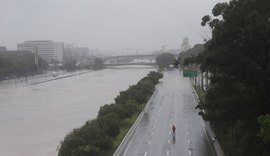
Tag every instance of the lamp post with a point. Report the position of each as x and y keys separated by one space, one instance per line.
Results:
x=36 y=57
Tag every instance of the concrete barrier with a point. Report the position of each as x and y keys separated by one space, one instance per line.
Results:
x=120 y=151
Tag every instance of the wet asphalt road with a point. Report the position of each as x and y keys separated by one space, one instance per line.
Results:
x=174 y=104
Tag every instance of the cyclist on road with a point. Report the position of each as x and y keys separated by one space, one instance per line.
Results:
x=173 y=133
x=173 y=129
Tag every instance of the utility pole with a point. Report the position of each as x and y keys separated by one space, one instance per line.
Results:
x=36 y=57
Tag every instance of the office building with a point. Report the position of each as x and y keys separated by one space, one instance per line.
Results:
x=46 y=49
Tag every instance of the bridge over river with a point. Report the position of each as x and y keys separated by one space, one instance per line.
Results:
x=143 y=59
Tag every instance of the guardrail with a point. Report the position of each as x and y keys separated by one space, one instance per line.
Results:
x=120 y=151
x=210 y=133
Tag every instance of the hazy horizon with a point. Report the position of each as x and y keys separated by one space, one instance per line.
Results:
x=121 y=26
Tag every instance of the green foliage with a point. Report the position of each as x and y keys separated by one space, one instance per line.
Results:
x=96 y=135
x=190 y=60
x=89 y=139
x=191 y=53
x=264 y=133
x=176 y=63
x=113 y=108
x=99 y=64
x=238 y=58
x=71 y=65
x=18 y=64
x=110 y=124
x=164 y=60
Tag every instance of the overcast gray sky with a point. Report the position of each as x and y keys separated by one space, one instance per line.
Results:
x=116 y=25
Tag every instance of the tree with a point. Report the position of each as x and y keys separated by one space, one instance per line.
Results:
x=19 y=64
x=110 y=124
x=238 y=58
x=71 y=65
x=264 y=121
x=99 y=64
x=176 y=63
x=164 y=60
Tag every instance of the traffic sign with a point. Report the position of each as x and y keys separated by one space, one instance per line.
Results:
x=190 y=73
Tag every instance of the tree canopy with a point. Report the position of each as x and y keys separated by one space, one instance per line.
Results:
x=99 y=64
x=14 y=63
x=164 y=60
x=238 y=58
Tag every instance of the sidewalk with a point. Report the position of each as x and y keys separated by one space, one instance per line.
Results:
x=32 y=80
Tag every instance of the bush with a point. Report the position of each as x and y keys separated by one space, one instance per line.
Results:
x=110 y=124
x=89 y=138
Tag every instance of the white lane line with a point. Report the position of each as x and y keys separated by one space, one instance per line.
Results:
x=169 y=141
x=152 y=133
x=170 y=132
x=127 y=149
x=168 y=152
x=189 y=142
x=156 y=120
x=171 y=119
x=145 y=154
x=149 y=142
x=154 y=126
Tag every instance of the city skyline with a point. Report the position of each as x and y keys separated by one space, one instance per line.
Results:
x=116 y=26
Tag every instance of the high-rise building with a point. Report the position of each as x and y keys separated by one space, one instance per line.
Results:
x=185 y=45
x=46 y=49
x=72 y=52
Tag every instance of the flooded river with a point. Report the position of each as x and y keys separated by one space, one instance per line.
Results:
x=35 y=118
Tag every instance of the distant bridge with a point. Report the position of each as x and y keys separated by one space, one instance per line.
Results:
x=132 y=60
x=123 y=64
x=132 y=56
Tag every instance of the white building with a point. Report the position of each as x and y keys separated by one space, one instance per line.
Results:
x=46 y=49
x=58 y=51
x=185 y=45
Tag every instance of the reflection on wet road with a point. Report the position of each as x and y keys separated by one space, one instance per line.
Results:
x=174 y=104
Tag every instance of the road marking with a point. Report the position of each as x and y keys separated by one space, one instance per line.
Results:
x=152 y=133
x=145 y=154
x=189 y=142
x=169 y=141
x=170 y=132
x=168 y=152
x=188 y=132
x=171 y=119
x=156 y=120
x=127 y=148
x=149 y=142
x=154 y=126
